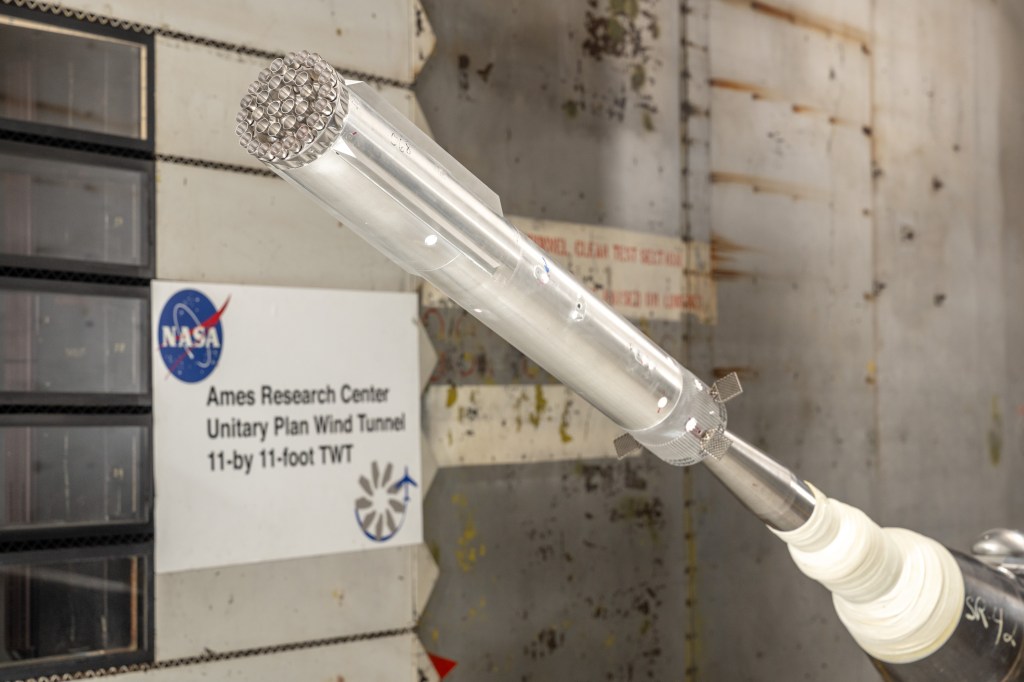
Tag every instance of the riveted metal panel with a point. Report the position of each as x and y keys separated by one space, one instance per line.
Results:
x=219 y=226
x=379 y=38
x=384 y=659
x=278 y=602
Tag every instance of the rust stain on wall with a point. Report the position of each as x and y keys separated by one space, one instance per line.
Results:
x=808 y=20
x=722 y=254
x=768 y=185
x=759 y=93
x=756 y=91
x=813 y=22
x=805 y=109
x=836 y=121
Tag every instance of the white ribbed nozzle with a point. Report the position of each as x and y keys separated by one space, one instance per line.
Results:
x=899 y=594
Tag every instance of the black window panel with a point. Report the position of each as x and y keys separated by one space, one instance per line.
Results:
x=68 y=609
x=76 y=80
x=65 y=342
x=76 y=491
x=74 y=211
x=74 y=473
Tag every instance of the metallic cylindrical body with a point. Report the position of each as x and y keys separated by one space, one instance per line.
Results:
x=771 y=491
x=388 y=182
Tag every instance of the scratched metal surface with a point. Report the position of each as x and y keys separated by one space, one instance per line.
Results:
x=559 y=571
x=868 y=259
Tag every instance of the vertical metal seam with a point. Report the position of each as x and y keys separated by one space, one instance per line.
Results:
x=690 y=633
x=684 y=124
x=875 y=173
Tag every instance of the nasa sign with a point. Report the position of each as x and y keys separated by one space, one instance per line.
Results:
x=286 y=423
x=191 y=335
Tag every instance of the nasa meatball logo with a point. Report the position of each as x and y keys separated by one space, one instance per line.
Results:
x=190 y=335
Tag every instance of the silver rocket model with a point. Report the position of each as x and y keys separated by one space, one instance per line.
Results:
x=920 y=611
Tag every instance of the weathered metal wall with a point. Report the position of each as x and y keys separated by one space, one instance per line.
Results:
x=557 y=571
x=854 y=165
x=562 y=566
x=864 y=164
x=567 y=109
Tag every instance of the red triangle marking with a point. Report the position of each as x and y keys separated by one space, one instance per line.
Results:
x=443 y=666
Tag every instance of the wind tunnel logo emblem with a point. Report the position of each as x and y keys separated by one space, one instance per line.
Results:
x=381 y=509
x=191 y=335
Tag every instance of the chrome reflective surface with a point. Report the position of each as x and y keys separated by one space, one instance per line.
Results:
x=771 y=491
x=1001 y=547
x=372 y=169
